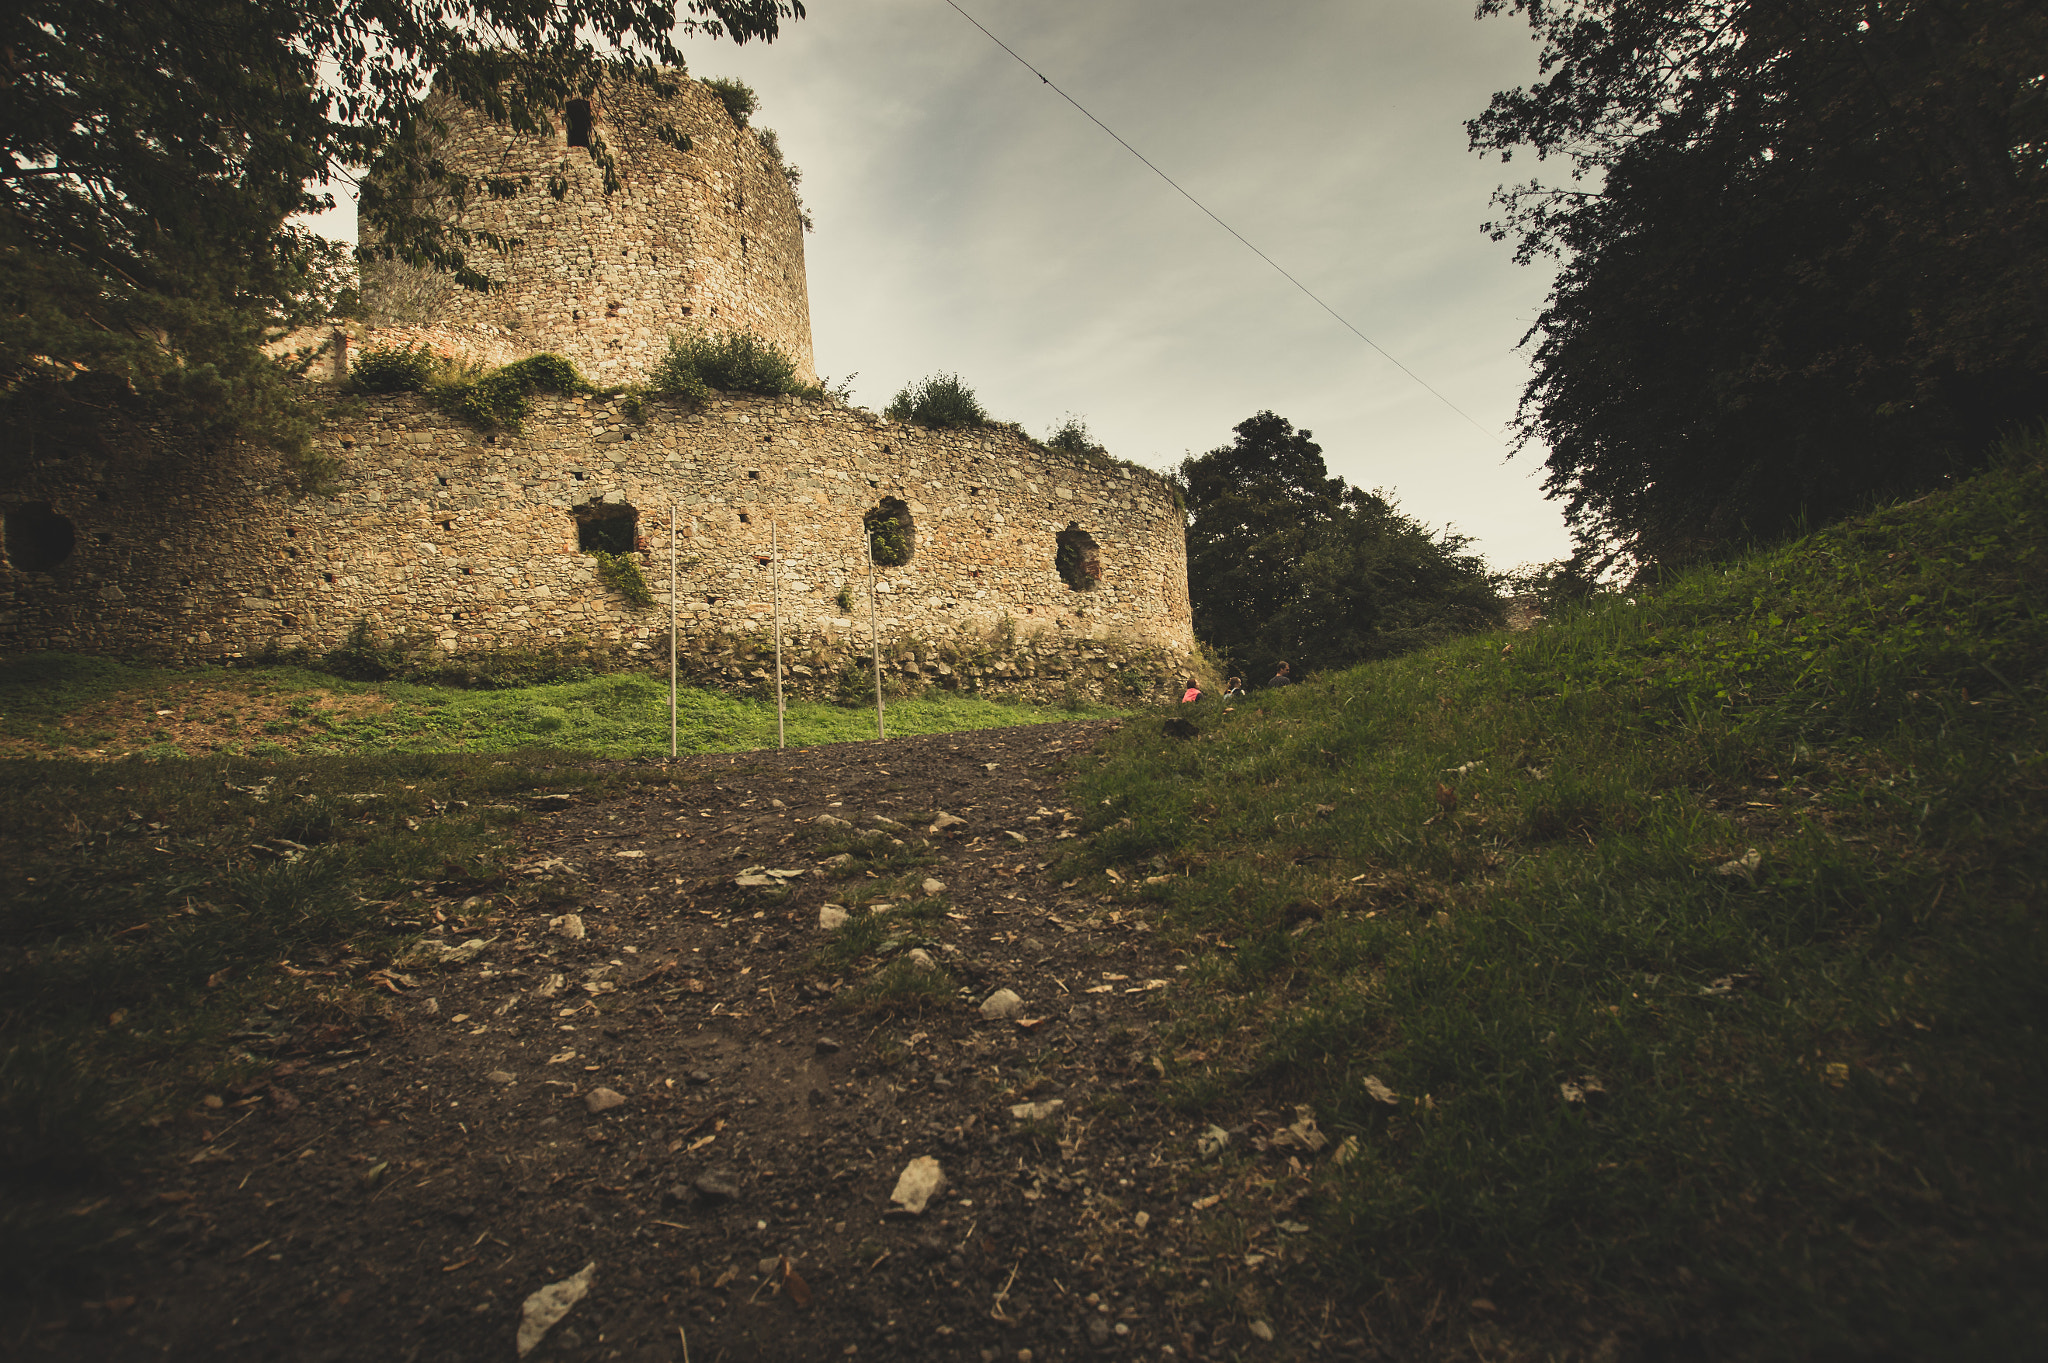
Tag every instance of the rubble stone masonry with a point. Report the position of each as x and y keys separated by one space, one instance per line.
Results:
x=466 y=542
x=704 y=239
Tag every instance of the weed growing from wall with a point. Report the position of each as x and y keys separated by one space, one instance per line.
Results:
x=502 y=398
x=622 y=575
x=942 y=402
x=1073 y=436
x=731 y=362
x=394 y=369
x=495 y=399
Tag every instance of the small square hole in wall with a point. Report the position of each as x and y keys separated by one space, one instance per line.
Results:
x=744 y=520
x=469 y=572
x=442 y=481
x=974 y=492
x=755 y=474
x=710 y=600
x=291 y=532
x=457 y=616
x=448 y=525
x=328 y=576
x=577 y=476
x=873 y=483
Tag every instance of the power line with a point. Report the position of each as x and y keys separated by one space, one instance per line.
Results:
x=1311 y=293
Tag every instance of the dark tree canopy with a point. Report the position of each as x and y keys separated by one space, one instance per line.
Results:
x=1288 y=563
x=1804 y=254
x=152 y=154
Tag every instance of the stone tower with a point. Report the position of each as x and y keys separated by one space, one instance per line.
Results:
x=709 y=239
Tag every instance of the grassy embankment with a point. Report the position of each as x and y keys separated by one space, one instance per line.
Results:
x=1694 y=950
x=170 y=924
x=63 y=705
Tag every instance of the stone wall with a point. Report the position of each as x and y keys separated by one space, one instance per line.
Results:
x=469 y=542
x=708 y=238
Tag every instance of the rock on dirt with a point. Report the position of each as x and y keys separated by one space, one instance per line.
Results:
x=603 y=1099
x=548 y=1305
x=1004 y=1003
x=920 y=1182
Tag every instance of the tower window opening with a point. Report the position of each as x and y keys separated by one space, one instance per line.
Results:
x=892 y=535
x=38 y=539
x=606 y=527
x=578 y=117
x=1077 y=558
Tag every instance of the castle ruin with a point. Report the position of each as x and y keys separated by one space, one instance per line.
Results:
x=1021 y=568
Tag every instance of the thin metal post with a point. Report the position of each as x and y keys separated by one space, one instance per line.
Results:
x=775 y=553
x=874 y=633
x=671 y=631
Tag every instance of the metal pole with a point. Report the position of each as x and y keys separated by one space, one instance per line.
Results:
x=671 y=631
x=775 y=552
x=874 y=634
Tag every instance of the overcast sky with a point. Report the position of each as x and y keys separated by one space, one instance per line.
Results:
x=971 y=220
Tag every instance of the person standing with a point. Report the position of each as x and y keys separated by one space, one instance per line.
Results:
x=1194 y=692
x=1281 y=677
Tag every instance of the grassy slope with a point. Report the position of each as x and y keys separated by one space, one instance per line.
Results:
x=1824 y=1127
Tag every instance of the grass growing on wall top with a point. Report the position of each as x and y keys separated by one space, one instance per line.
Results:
x=1694 y=950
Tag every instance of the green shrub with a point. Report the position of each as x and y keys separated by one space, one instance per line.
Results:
x=731 y=361
x=941 y=401
x=394 y=369
x=1072 y=435
x=737 y=96
x=502 y=398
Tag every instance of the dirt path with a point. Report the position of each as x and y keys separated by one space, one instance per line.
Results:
x=400 y=1197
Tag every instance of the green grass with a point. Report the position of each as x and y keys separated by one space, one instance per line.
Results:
x=175 y=926
x=64 y=703
x=1821 y=1127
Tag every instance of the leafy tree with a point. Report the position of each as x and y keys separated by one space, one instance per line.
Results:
x=152 y=155
x=1804 y=254
x=1286 y=562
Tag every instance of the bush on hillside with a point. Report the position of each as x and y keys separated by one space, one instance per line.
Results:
x=942 y=402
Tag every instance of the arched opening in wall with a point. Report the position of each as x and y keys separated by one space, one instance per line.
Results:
x=891 y=532
x=1078 y=559
x=606 y=527
x=577 y=116
x=38 y=539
